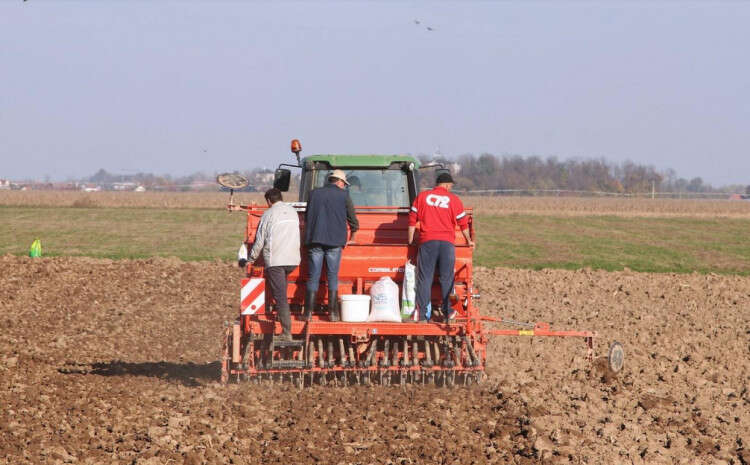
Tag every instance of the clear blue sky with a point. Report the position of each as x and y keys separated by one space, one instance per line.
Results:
x=178 y=87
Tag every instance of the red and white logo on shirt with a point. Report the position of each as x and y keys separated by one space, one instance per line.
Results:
x=440 y=201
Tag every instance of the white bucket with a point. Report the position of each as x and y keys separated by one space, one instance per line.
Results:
x=355 y=307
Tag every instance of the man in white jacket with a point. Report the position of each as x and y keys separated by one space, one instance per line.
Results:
x=277 y=238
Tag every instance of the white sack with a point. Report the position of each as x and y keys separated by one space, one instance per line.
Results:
x=409 y=291
x=384 y=297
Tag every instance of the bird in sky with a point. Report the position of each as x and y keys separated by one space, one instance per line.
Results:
x=429 y=28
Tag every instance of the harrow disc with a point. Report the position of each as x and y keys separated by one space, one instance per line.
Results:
x=232 y=180
x=616 y=357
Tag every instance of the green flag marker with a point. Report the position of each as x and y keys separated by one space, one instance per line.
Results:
x=36 y=249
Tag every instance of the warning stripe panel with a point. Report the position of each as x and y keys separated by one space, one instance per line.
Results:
x=252 y=295
x=255 y=305
x=251 y=292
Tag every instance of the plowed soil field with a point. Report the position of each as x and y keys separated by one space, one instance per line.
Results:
x=116 y=362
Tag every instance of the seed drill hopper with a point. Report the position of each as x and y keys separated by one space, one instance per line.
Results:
x=342 y=352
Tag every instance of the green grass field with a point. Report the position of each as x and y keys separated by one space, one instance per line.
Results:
x=524 y=241
x=678 y=245
x=190 y=234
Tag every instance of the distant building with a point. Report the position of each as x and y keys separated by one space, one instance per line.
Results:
x=4 y=184
x=124 y=186
x=139 y=189
x=266 y=178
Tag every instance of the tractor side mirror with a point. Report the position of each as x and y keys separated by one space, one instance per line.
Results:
x=281 y=179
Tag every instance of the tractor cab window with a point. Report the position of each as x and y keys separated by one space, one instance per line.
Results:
x=372 y=187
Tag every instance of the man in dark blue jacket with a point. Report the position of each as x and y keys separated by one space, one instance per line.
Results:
x=329 y=209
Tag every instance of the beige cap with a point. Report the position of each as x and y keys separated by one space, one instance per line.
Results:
x=339 y=174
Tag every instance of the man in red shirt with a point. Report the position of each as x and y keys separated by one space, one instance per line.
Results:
x=438 y=211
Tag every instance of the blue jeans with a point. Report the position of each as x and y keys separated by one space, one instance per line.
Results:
x=432 y=253
x=332 y=256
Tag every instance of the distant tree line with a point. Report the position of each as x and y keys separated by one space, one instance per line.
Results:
x=488 y=171
x=485 y=172
x=103 y=177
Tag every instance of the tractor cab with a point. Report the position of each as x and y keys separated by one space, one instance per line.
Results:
x=374 y=180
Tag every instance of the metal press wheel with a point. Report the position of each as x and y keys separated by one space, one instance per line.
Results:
x=616 y=357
